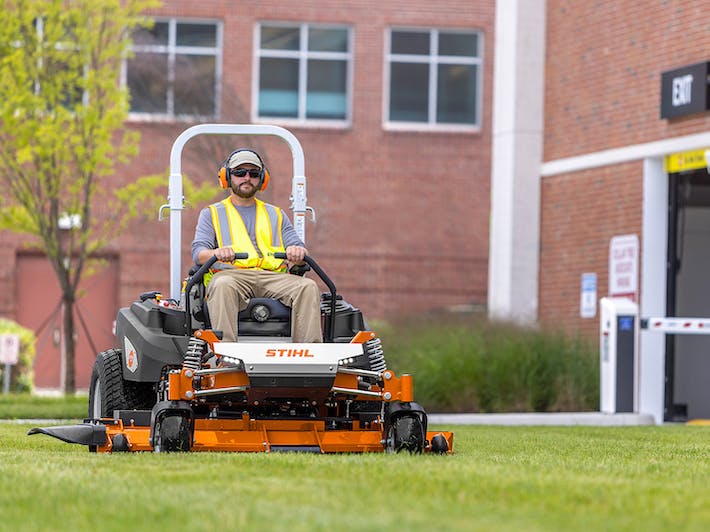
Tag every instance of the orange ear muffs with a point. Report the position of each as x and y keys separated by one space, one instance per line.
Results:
x=223 y=177
x=264 y=179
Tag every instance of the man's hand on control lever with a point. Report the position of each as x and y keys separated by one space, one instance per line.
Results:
x=225 y=254
x=295 y=254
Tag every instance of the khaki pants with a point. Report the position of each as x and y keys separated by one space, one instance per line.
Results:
x=228 y=291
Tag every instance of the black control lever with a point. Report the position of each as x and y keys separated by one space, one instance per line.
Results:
x=197 y=278
x=330 y=320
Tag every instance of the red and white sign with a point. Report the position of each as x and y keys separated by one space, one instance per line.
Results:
x=624 y=267
x=9 y=348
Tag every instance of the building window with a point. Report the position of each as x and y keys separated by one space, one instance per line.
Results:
x=434 y=78
x=175 y=69
x=57 y=63
x=303 y=72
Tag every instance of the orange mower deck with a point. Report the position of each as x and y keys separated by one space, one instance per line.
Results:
x=248 y=435
x=132 y=431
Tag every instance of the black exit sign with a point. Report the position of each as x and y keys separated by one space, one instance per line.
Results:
x=684 y=91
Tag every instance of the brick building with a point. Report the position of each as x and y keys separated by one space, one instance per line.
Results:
x=619 y=150
x=392 y=104
x=457 y=152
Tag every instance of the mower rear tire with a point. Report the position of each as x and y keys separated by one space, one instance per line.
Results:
x=106 y=392
x=406 y=434
x=172 y=434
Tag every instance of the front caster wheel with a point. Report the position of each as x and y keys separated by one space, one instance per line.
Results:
x=172 y=434
x=406 y=434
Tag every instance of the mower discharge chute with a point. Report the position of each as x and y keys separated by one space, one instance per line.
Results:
x=172 y=385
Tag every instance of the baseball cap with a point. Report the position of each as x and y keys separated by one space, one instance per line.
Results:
x=244 y=157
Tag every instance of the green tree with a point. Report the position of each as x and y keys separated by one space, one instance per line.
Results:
x=62 y=112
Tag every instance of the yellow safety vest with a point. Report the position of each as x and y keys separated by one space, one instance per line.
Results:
x=231 y=231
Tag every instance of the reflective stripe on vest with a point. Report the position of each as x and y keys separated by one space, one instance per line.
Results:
x=231 y=231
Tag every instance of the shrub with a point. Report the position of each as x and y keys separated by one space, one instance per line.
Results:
x=22 y=374
x=467 y=364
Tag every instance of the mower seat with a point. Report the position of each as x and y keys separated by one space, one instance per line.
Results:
x=265 y=316
x=262 y=316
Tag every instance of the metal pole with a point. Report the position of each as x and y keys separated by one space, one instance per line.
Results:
x=6 y=379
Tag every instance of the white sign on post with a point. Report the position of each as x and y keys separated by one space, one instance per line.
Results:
x=588 y=296
x=9 y=349
x=624 y=266
x=9 y=355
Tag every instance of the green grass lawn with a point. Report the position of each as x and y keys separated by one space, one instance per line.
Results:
x=26 y=406
x=501 y=478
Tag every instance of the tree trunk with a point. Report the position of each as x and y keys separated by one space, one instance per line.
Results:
x=69 y=344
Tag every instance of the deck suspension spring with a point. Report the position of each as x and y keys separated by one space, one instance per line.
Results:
x=375 y=355
x=193 y=355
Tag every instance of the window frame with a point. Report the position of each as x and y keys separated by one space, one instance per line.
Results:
x=38 y=24
x=433 y=60
x=172 y=50
x=303 y=55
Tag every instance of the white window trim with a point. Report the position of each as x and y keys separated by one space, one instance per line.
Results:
x=303 y=55
x=172 y=49
x=39 y=29
x=434 y=60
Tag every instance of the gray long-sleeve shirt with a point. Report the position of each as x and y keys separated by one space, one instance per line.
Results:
x=206 y=237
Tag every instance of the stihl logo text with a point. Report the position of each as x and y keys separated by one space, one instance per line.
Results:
x=303 y=353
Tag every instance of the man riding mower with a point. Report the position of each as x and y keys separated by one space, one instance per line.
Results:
x=174 y=383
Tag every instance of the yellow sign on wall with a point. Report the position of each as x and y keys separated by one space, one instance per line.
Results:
x=687 y=160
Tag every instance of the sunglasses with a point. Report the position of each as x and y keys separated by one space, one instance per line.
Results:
x=241 y=172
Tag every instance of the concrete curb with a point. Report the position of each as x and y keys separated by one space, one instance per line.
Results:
x=550 y=419
x=532 y=419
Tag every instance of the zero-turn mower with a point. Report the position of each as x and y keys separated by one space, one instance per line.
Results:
x=172 y=385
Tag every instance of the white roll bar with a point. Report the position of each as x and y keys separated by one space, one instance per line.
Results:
x=176 y=198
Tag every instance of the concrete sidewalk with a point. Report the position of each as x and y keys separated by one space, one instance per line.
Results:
x=551 y=419
x=555 y=418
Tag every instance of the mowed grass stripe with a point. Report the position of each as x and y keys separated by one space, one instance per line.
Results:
x=503 y=478
x=27 y=406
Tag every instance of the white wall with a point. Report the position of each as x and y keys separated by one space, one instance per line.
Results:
x=654 y=244
x=518 y=102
